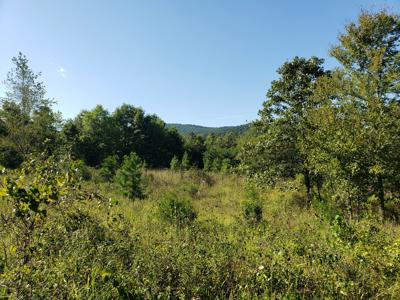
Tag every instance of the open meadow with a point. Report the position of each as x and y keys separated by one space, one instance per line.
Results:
x=200 y=235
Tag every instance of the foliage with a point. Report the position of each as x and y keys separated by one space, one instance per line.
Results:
x=10 y=157
x=27 y=120
x=175 y=164
x=185 y=164
x=194 y=147
x=109 y=167
x=220 y=153
x=82 y=171
x=356 y=142
x=96 y=134
x=252 y=206
x=129 y=176
x=30 y=193
x=64 y=234
x=339 y=129
x=176 y=209
x=280 y=130
x=300 y=253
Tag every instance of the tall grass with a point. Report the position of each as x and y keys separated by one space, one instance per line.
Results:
x=124 y=249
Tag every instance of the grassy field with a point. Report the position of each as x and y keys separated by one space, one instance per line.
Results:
x=191 y=238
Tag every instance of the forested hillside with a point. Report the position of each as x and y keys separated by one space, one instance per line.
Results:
x=302 y=204
x=186 y=129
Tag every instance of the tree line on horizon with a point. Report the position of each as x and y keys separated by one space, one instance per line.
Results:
x=29 y=125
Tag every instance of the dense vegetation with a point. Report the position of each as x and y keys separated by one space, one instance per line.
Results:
x=304 y=204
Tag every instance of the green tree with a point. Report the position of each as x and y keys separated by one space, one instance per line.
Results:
x=109 y=167
x=194 y=146
x=93 y=135
x=29 y=122
x=275 y=149
x=129 y=176
x=146 y=135
x=175 y=164
x=24 y=88
x=220 y=152
x=96 y=135
x=45 y=126
x=129 y=122
x=185 y=164
x=355 y=137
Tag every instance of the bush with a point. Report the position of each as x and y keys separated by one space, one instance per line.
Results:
x=109 y=167
x=10 y=157
x=176 y=210
x=82 y=170
x=175 y=164
x=226 y=166
x=185 y=165
x=252 y=206
x=129 y=176
x=200 y=177
x=252 y=211
x=191 y=189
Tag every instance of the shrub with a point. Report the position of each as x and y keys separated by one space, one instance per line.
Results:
x=109 y=167
x=226 y=166
x=10 y=157
x=175 y=164
x=129 y=176
x=176 y=210
x=191 y=189
x=185 y=165
x=82 y=170
x=200 y=177
x=252 y=206
x=252 y=211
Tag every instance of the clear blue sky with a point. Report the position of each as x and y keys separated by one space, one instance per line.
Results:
x=207 y=62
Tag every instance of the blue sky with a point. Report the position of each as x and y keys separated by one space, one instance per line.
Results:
x=207 y=62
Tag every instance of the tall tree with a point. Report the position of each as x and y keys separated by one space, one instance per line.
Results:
x=30 y=123
x=220 y=151
x=129 y=122
x=96 y=135
x=356 y=128
x=24 y=88
x=194 y=148
x=280 y=131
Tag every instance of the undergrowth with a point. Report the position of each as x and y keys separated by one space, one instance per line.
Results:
x=197 y=236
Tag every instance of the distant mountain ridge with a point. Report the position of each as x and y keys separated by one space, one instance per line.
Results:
x=186 y=129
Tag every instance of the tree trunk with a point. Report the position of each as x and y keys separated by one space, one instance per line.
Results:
x=381 y=197
x=307 y=182
x=319 y=186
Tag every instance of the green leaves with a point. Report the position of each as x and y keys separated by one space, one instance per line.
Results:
x=97 y=134
x=28 y=123
x=354 y=134
x=38 y=184
x=175 y=164
x=275 y=150
x=176 y=209
x=109 y=167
